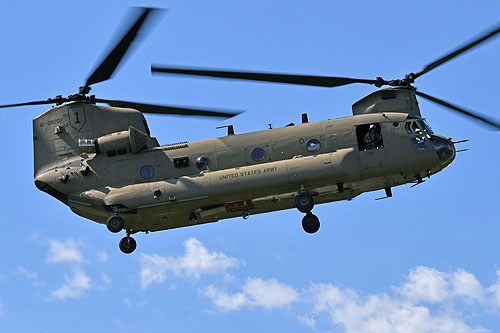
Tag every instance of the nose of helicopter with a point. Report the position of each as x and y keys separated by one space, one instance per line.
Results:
x=445 y=149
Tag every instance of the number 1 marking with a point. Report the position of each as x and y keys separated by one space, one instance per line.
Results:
x=77 y=119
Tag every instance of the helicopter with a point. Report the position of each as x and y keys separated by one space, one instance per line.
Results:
x=103 y=163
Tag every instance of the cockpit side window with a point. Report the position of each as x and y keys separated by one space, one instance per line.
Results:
x=369 y=137
x=415 y=128
x=408 y=127
x=418 y=131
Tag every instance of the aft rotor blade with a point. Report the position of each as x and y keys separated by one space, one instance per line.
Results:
x=47 y=101
x=174 y=110
x=470 y=114
x=309 y=80
x=109 y=64
x=459 y=51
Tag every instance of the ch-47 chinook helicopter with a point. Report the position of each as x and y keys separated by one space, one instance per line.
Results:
x=102 y=162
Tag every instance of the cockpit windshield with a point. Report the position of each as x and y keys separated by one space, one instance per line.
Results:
x=425 y=126
x=418 y=126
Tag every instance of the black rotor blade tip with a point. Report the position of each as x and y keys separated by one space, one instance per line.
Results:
x=113 y=59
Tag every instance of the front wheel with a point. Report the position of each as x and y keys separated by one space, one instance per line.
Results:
x=304 y=202
x=127 y=245
x=115 y=223
x=310 y=223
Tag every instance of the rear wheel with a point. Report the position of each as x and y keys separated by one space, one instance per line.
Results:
x=127 y=245
x=310 y=223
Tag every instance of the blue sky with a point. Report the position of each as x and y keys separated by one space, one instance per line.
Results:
x=424 y=260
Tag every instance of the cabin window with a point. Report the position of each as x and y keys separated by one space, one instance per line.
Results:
x=258 y=154
x=121 y=151
x=202 y=163
x=369 y=137
x=111 y=153
x=147 y=172
x=313 y=145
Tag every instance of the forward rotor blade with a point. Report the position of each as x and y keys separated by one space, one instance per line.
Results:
x=109 y=64
x=475 y=116
x=174 y=110
x=459 y=51
x=47 y=101
x=309 y=80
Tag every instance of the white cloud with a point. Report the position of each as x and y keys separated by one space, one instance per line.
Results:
x=102 y=256
x=494 y=290
x=223 y=301
x=428 y=301
x=74 y=287
x=64 y=252
x=307 y=320
x=465 y=284
x=426 y=284
x=380 y=313
x=256 y=292
x=269 y=293
x=195 y=261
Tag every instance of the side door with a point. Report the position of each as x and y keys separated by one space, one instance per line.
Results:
x=372 y=153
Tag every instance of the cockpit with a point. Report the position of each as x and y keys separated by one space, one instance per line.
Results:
x=423 y=138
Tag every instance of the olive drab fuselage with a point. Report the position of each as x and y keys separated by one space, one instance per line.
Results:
x=101 y=160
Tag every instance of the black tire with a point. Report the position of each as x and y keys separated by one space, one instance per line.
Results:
x=115 y=223
x=128 y=245
x=304 y=202
x=310 y=223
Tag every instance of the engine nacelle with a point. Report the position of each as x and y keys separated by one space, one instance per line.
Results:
x=132 y=140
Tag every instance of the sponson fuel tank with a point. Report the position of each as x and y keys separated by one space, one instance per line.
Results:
x=247 y=181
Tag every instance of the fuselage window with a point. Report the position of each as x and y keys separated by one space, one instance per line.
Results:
x=369 y=137
x=202 y=163
x=313 y=145
x=147 y=172
x=258 y=154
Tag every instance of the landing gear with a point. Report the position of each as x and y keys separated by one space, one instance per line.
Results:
x=310 y=223
x=127 y=244
x=115 y=223
x=304 y=202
